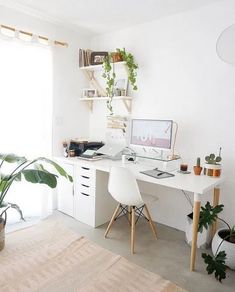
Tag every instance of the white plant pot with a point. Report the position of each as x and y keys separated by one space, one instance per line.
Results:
x=228 y=247
x=203 y=239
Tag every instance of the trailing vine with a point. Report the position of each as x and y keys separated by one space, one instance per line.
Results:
x=109 y=73
x=132 y=66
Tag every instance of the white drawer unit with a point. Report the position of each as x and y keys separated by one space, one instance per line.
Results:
x=84 y=207
x=84 y=199
x=87 y=198
x=93 y=205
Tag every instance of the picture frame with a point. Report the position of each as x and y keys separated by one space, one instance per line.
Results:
x=89 y=93
x=97 y=58
x=121 y=87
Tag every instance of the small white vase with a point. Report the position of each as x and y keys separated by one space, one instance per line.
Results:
x=228 y=247
x=203 y=238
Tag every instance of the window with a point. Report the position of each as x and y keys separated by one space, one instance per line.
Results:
x=26 y=114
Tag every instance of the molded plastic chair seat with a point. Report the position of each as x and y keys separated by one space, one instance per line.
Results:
x=124 y=189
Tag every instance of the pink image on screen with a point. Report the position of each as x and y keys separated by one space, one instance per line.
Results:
x=161 y=143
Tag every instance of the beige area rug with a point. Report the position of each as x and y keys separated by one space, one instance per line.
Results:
x=50 y=257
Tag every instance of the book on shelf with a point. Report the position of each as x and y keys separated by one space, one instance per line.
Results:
x=84 y=57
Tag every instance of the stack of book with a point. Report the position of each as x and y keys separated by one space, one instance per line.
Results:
x=117 y=122
x=84 y=57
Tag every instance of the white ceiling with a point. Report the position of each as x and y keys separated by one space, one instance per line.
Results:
x=100 y=16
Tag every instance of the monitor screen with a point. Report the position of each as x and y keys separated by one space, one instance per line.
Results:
x=151 y=133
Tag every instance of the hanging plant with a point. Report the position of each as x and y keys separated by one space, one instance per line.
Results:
x=109 y=72
x=132 y=66
x=109 y=75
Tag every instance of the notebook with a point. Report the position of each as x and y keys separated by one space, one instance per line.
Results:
x=156 y=173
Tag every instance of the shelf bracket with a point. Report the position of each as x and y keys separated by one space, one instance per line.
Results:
x=90 y=105
x=128 y=105
x=92 y=80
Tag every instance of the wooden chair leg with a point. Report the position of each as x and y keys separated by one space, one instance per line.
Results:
x=151 y=222
x=129 y=213
x=132 y=230
x=112 y=220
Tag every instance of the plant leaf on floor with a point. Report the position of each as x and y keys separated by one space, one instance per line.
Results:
x=216 y=265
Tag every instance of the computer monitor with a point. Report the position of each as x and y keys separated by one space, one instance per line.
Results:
x=151 y=133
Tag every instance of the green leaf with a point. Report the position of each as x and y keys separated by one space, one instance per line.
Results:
x=12 y=158
x=3 y=205
x=216 y=265
x=208 y=215
x=17 y=208
x=60 y=170
x=41 y=177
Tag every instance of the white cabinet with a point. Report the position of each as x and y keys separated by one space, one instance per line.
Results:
x=65 y=191
x=84 y=199
x=87 y=198
x=93 y=205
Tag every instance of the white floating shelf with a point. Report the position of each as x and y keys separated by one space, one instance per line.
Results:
x=127 y=100
x=105 y=98
x=100 y=67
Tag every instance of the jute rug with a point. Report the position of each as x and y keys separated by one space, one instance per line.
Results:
x=50 y=257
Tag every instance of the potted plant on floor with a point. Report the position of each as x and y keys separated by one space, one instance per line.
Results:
x=207 y=216
x=33 y=171
x=223 y=243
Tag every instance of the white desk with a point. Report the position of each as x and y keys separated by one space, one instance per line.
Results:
x=198 y=185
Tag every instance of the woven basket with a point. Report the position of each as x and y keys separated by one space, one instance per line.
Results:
x=2 y=232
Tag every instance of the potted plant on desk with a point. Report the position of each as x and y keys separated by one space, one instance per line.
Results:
x=212 y=166
x=33 y=171
x=197 y=168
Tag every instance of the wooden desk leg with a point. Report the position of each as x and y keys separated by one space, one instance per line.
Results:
x=215 y=203
x=196 y=212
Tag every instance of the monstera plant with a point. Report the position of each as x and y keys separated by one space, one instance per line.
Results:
x=32 y=171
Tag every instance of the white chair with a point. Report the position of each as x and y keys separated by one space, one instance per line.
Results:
x=124 y=189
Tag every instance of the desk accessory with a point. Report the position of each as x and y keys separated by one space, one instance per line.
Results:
x=183 y=167
x=212 y=166
x=156 y=173
x=184 y=172
x=197 y=168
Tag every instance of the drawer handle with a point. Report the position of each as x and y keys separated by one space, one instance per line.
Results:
x=85 y=186
x=86 y=168
x=84 y=194
x=86 y=177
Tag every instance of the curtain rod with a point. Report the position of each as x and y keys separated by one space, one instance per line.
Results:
x=59 y=43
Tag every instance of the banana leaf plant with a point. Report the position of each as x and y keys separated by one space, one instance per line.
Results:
x=32 y=171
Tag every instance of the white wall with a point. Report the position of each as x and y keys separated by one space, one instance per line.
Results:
x=181 y=77
x=70 y=117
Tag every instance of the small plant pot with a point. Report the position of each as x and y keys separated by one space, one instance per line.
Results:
x=213 y=170
x=116 y=57
x=2 y=233
x=203 y=239
x=197 y=170
x=228 y=247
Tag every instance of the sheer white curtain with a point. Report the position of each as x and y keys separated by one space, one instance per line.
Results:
x=26 y=115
